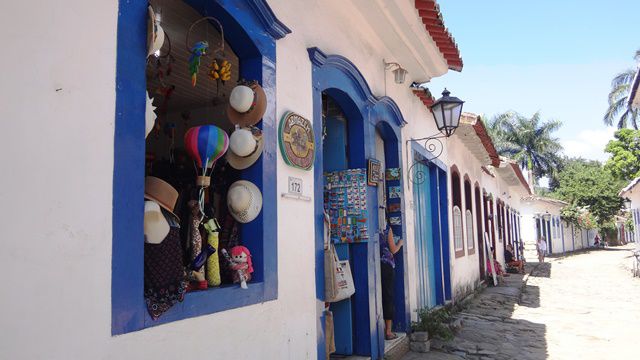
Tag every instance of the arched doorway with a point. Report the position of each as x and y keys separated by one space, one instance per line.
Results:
x=336 y=80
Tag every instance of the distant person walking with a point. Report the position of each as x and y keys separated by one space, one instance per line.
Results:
x=541 y=246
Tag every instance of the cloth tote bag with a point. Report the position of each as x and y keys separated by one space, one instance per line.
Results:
x=338 y=281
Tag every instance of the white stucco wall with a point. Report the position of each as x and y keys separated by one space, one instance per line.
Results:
x=634 y=195
x=529 y=212
x=465 y=269
x=58 y=107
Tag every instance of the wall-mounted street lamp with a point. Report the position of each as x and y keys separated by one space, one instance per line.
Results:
x=399 y=73
x=446 y=112
x=627 y=203
x=546 y=216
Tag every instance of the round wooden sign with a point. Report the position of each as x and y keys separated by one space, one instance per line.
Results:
x=297 y=142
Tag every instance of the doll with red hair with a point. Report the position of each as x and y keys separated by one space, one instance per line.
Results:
x=240 y=262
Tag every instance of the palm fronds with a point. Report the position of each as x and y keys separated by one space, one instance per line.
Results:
x=528 y=141
x=618 y=111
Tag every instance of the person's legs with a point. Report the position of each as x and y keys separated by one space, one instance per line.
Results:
x=388 y=274
x=387 y=328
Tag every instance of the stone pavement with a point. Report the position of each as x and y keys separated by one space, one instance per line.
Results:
x=582 y=306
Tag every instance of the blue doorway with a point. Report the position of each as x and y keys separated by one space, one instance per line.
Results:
x=338 y=78
x=432 y=233
x=425 y=255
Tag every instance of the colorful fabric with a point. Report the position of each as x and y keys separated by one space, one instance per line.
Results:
x=196 y=237
x=386 y=256
x=164 y=278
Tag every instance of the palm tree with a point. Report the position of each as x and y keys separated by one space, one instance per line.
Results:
x=618 y=99
x=528 y=141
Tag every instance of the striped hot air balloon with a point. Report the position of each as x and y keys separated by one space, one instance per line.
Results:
x=206 y=144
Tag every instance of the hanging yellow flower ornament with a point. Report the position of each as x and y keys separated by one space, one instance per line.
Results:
x=220 y=70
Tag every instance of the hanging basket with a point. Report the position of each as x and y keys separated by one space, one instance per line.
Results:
x=219 y=49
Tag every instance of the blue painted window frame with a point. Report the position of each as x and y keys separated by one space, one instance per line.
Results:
x=251 y=29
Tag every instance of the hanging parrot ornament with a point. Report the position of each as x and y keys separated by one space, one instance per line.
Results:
x=197 y=52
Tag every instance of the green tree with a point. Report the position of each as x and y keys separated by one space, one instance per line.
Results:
x=529 y=141
x=587 y=184
x=618 y=111
x=624 y=163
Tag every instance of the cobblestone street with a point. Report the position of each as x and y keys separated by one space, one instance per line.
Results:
x=582 y=306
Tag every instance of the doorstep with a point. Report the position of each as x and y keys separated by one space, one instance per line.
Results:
x=396 y=348
x=393 y=349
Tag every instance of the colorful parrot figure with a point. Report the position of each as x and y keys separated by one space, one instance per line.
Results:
x=197 y=51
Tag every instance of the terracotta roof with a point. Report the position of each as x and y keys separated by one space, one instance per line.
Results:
x=431 y=16
x=425 y=96
x=481 y=132
x=520 y=175
x=487 y=171
x=473 y=138
x=511 y=173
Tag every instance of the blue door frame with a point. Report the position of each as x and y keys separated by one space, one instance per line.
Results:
x=439 y=223
x=339 y=78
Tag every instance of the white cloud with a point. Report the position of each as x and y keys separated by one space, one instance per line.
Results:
x=588 y=144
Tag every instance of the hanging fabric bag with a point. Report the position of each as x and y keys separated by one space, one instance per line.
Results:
x=337 y=273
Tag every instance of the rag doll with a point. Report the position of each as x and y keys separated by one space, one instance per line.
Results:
x=240 y=264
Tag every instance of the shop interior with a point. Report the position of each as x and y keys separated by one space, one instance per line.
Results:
x=192 y=78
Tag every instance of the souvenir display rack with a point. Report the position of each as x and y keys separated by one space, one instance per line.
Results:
x=345 y=200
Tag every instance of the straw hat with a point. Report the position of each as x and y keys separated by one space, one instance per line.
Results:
x=161 y=192
x=245 y=147
x=155 y=33
x=244 y=201
x=156 y=226
x=247 y=104
x=150 y=116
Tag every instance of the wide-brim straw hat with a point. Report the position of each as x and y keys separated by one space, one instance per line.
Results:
x=162 y=193
x=156 y=227
x=255 y=112
x=242 y=162
x=155 y=33
x=244 y=201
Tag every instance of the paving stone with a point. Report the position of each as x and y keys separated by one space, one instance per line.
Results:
x=566 y=310
x=421 y=347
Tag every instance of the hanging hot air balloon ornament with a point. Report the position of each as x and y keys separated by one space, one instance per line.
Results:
x=205 y=144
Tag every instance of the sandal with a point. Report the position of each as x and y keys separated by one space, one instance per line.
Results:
x=390 y=337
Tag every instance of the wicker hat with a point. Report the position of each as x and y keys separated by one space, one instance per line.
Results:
x=247 y=104
x=245 y=147
x=155 y=33
x=244 y=201
x=161 y=192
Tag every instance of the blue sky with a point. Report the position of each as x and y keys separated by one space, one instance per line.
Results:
x=557 y=57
